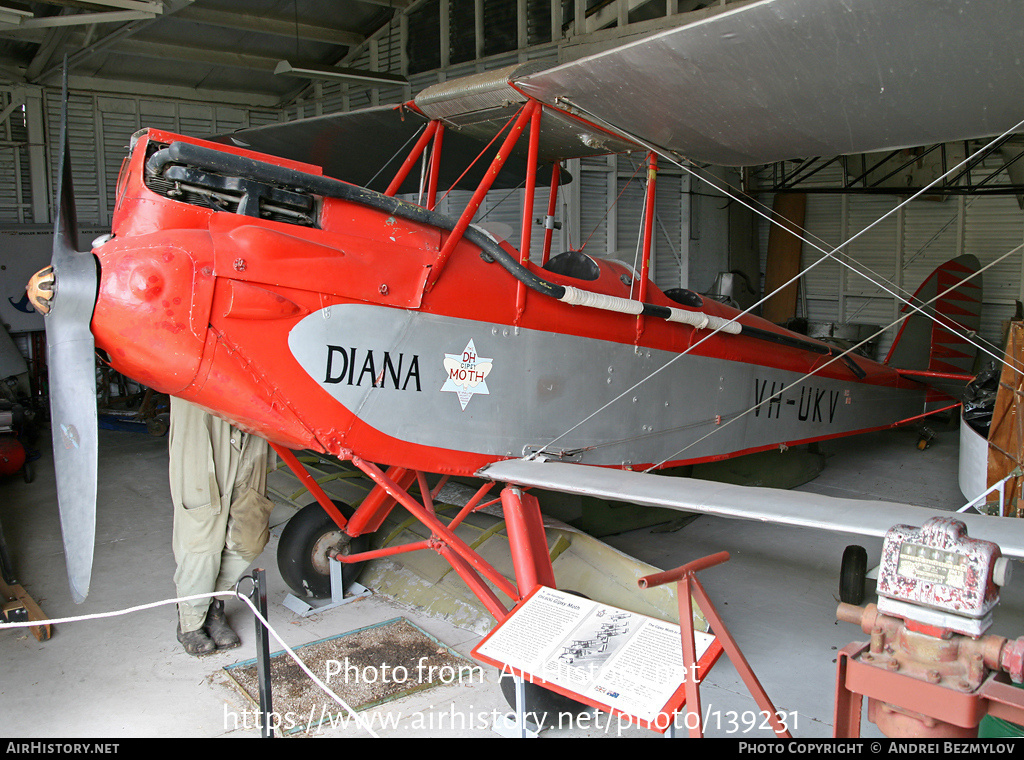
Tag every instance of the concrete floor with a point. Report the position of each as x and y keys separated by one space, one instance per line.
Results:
x=126 y=676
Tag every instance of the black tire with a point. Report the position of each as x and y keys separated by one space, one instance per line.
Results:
x=853 y=575
x=302 y=552
x=541 y=706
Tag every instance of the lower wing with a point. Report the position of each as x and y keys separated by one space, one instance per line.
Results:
x=805 y=510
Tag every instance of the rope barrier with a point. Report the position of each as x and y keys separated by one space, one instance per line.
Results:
x=263 y=621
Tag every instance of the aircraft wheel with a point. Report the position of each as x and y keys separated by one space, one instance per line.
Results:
x=541 y=706
x=853 y=575
x=307 y=541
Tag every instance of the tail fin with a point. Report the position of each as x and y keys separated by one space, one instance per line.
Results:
x=933 y=341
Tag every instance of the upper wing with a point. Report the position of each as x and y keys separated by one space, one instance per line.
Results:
x=779 y=79
x=367 y=146
x=767 y=81
x=806 y=510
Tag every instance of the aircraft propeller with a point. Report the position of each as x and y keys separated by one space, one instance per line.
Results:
x=65 y=293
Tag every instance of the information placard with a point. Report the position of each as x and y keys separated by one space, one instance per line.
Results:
x=609 y=658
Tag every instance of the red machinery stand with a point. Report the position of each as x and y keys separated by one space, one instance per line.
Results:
x=905 y=706
x=689 y=589
x=930 y=670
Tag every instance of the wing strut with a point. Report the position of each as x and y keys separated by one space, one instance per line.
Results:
x=478 y=197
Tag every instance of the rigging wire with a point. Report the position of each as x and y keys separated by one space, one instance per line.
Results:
x=661 y=224
x=609 y=209
x=827 y=255
x=397 y=153
x=497 y=134
x=778 y=394
x=831 y=254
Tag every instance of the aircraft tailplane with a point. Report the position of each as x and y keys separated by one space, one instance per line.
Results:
x=932 y=345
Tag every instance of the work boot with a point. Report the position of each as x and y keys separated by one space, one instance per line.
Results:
x=217 y=627
x=196 y=643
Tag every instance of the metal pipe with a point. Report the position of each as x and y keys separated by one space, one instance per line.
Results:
x=311 y=485
x=531 y=186
x=438 y=528
x=478 y=196
x=388 y=552
x=410 y=160
x=435 y=166
x=673 y=576
x=378 y=504
x=480 y=589
x=549 y=220
x=645 y=253
x=526 y=224
x=264 y=687
x=471 y=505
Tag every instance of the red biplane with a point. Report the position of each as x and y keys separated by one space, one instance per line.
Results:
x=322 y=314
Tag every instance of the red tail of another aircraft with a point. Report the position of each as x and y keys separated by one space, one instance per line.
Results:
x=934 y=342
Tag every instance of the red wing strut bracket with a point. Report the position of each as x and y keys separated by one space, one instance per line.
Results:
x=688 y=589
x=435 y=166
x=412 y=158
x=549 y=220
x=478 y=196
x=645 y=257
x=526 y=228
x=526 y=538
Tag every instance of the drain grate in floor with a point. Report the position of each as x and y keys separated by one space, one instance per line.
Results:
x=365 y=667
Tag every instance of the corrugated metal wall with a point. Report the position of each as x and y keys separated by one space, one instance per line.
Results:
x=901 y=250
x=15 y=179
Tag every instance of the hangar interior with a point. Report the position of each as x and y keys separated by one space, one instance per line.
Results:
x=208 y=68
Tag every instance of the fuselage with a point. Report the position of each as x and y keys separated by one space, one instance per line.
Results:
x=310 y=321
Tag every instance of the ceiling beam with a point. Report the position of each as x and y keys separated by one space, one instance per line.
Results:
x=81 y=19
x=398 y=5
x=14 y=14
x=122 y=32
x=214 y=57
x=307 y=70
x=131 y=88
x=147 y=6
x=51 y=41
x=616 y=12
x=279 y=26
x=44 y=55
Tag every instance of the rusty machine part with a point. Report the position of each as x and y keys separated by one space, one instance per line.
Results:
x=929 y=669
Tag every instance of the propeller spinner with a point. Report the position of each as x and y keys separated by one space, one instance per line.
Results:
x=65 y=292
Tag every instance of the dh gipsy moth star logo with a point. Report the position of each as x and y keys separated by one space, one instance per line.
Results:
x=466 y=374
